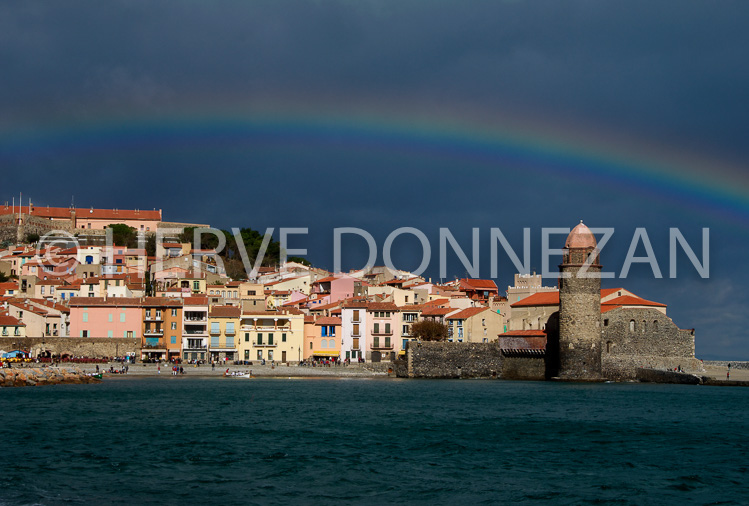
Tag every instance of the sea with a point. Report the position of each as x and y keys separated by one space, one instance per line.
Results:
x=226 y=441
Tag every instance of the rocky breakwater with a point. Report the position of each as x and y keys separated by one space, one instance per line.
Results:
x=29 y=377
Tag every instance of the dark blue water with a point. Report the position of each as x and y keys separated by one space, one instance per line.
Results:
x=230 y=441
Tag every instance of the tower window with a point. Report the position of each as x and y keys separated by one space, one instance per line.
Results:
x=631 y=325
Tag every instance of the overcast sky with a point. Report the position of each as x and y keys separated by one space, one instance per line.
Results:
x=380 y=115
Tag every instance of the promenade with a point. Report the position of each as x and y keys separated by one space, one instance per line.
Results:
x=267 y=370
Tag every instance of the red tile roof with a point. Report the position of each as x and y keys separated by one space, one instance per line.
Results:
x=467 y=313
x=196 y=301
x=524 y=333
x=479 y=284
x=225 y=312
x=83 y=213
x=11 y=321
x=328 y=320
x=101 y=301
x=538 y=299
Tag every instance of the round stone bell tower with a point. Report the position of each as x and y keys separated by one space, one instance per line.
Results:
x=580 y=308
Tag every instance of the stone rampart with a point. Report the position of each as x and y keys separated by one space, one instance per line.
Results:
x=644 y=338
x=524 y=368
x=90 y=347
x=452 y=360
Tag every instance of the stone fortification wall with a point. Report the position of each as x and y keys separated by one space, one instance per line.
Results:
x=452 y=360
x=637 y=338
x=91 y=347
x=524 y=368
x=724 y=363
x=11 y=230
x=8 y=228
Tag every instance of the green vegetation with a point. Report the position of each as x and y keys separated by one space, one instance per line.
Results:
x=231 y=255
x=429 y=330
x=32 y=238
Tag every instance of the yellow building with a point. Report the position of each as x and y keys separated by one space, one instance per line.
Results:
x=223 y=327
x=272 y=336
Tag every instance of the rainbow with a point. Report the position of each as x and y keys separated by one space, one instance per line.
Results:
x=685 y=180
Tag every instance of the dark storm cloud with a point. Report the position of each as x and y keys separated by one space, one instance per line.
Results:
x=666 y=71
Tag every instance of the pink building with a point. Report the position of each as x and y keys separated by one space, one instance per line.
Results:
x=105 y=317
x=382 y=331
x=335 y=288
x=90 y=218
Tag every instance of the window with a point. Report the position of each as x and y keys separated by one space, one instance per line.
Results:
x=250 y=292
x=270 y=354
x=406 y=329
x=323 y=343
x=355 y=332
x=230 y=328
x=324 y=331
x=84 y=333
x=375 y=342
x=260 y=339
x=246 y=337
x=129 y=333
x=331 y=331
x=355 y=318
x=387 y=328
x=122 y=317
x=483 y=322
x=110 y=333
x=246 y=354
x=283 y=338
x=215 y=328
x=196 y=285
x=84 y=318
x=110 y=317
x=174 y=339
x=631 y=325
x=310 y=345
x=356 y=343
x=174 y=312
x=158 y=313
x=606 y=322
x=174 y=325
x=270 y=339
x=376 y=328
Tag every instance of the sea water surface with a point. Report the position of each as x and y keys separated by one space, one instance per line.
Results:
x=316 y=441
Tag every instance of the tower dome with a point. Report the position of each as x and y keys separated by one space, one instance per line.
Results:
x=580 y=237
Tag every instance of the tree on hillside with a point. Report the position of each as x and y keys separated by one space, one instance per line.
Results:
x=32 y=238
x=123 y=235
x=429 y=330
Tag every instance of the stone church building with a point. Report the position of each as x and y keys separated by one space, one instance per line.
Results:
x=593 y=334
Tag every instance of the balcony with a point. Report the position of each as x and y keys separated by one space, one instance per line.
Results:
x=252 y=328
x=198 y=347
x=266 y=345
x=228 y=332
x=215 y=332
x=154 y=346
x=196 y=333
x=154 y=332
x=382 y=348
x=154 y=318
x=382 y=333
x=195 y=319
